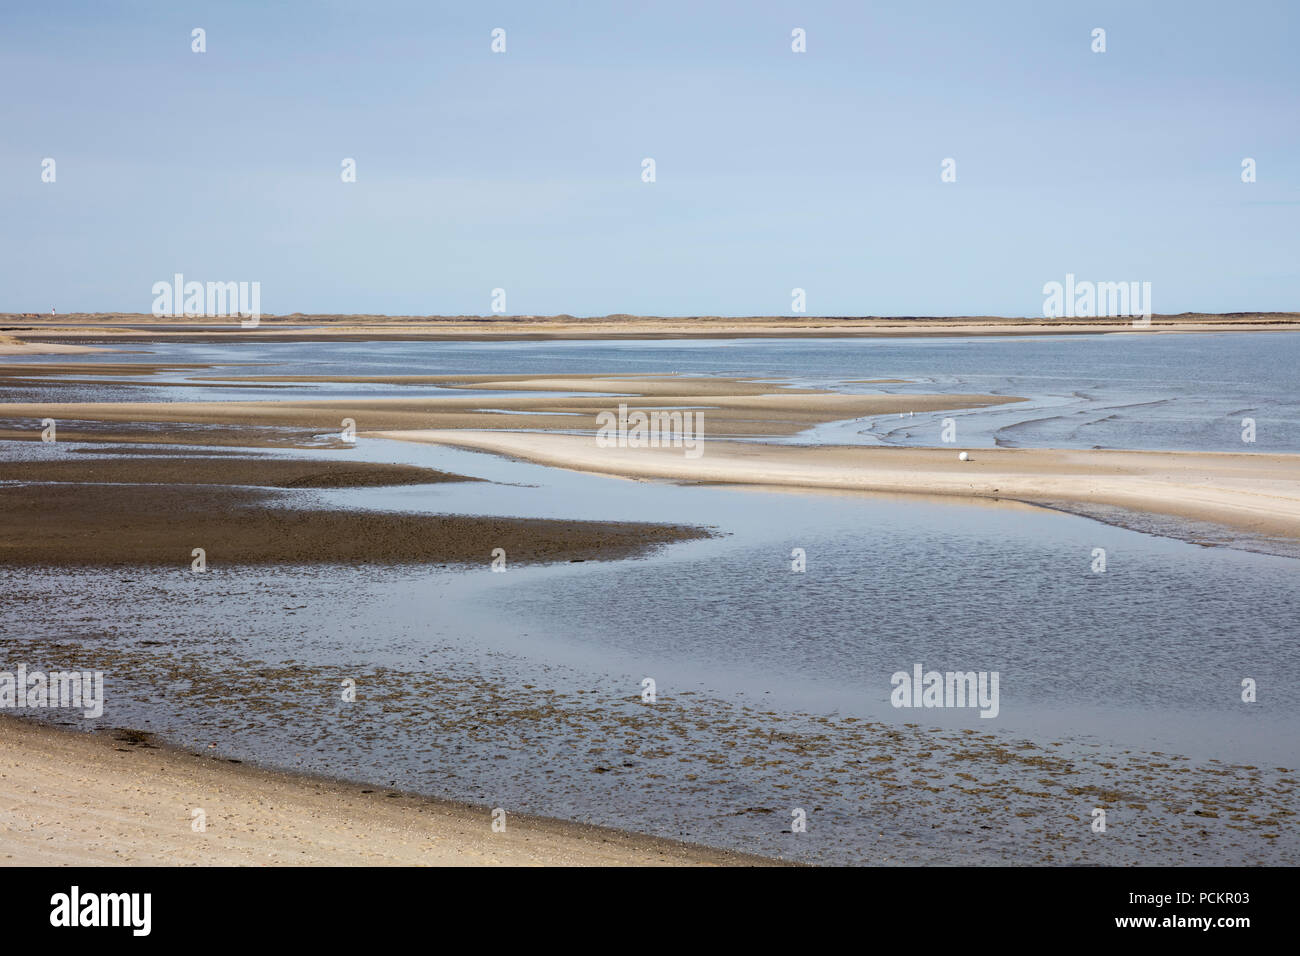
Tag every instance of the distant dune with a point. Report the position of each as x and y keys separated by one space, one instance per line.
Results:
x=106 y=327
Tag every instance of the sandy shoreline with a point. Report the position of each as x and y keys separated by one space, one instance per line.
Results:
x=1255 y=493
x=79 y=799
x=500 y=739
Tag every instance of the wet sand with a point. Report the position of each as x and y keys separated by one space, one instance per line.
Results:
x=105 y=799
x=45 y=372
x=1255 y=493
x=167 y=467
x=12 y=345
x=142 y=510
x=732 y=407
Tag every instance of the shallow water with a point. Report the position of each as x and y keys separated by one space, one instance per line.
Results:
x=1164 y=392
x=458 y=671
x=1165 y=634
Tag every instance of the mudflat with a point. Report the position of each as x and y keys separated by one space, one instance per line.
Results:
x=145 y=510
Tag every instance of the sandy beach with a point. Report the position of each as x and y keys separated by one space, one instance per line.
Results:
x=116 y=799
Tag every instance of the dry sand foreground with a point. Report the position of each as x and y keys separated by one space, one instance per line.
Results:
x=1256 y=493
x=80 y=799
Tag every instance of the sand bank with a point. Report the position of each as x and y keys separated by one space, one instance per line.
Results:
x=158 y=467
x=81 y=799
x=154 y=511
x=11 y=345
x=1254 y=493
x=734 y=407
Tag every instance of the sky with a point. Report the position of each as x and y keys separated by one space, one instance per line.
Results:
x=774 y=170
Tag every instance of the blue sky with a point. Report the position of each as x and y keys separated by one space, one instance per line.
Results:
x=775 y=170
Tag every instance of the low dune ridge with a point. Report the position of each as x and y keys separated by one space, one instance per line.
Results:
x=112 y=327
